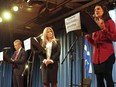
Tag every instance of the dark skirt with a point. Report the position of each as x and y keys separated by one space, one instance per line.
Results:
x=105 y=66
x=49 y=73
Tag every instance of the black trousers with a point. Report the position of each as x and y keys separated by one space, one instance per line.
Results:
x=104 y=71
x=18 y=79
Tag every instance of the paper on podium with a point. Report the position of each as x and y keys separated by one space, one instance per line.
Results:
x=1 y=56
x=33 y=44
x=6 y=58
x=27 y=44
x=73 y=23
x=81 y=22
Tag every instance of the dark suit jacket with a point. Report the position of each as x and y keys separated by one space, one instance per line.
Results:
x=21 y=60
x=19 y=66
x=55 y=52
x=49 y=73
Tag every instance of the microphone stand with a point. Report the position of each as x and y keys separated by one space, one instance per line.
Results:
x=28 y=75
x=82 y=61
x=26 y=64
x=71 y=51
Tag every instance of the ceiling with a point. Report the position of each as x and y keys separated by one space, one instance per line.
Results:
x=33 y=16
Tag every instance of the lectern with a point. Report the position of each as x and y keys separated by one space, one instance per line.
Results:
x=34 y=46
x=3 y=60
x=88 y=26
x=3 y=66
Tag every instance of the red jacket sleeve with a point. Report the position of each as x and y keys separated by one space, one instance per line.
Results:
x=110 y=30
x=90 y=40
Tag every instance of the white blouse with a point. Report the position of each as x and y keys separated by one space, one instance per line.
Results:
x=48 y=49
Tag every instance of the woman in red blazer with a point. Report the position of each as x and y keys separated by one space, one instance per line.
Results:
x=103 y=53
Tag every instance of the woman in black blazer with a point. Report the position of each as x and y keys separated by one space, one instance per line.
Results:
x=49 y=59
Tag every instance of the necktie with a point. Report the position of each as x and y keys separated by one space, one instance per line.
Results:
x=16 y=56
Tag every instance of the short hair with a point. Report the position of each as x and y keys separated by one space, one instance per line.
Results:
x=18 y=41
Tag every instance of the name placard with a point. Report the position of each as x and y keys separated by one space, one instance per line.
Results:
x=1 y=56
x=27 y=44
x=73 y=23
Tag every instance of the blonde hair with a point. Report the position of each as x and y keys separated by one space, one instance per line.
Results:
x=44 y=38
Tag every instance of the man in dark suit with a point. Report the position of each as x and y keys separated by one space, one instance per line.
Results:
x=18 y=61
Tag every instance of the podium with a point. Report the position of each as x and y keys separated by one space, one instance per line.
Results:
x=4 y=59
x=34 y=46
x=88 y=26
x=3 y=68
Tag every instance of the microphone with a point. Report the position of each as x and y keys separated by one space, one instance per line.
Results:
x=7 y=48
x=96 y=17
x=39 y=36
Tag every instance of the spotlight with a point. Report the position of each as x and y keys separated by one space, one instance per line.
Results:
x=26 y=66
x=114 y=4
x=6 y=15
x=0 y=19
x=111 y=5
x=27 y=1
x=15 y=8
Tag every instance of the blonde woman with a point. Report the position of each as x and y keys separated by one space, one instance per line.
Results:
x=49 y=59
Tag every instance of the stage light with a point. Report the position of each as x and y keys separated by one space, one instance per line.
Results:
x=111 y=5
x=27 y=1
x=0 y=19
x=26 y=66
x=6 y=15
x=15 y=8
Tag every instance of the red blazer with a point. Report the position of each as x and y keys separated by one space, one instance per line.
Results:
x=102 y=42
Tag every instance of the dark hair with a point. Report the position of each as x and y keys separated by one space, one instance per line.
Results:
x=106 y=15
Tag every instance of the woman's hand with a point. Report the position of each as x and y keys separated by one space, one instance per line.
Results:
x=87 y=35
x=101 y=24
x=48 y=61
